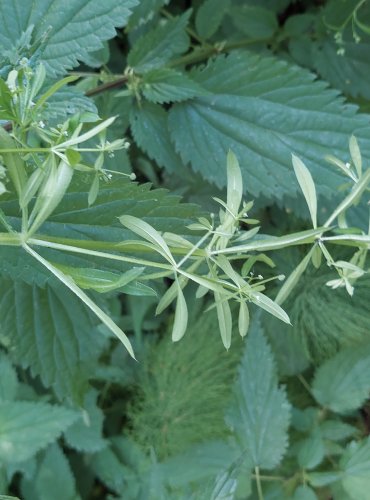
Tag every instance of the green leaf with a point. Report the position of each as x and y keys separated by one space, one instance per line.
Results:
x=100 y=281
x=111 y=471
x=355 y=466
x=159 y=45
x=308 y=187
x=50 y=332
x=8 y=379
x=225 y=322
x=343 y=382
x=255 y=22
x=243 y=319
x=260 y=412
x=304 y=493
x=150 y=234
x=75 y=220
x=54 y=478
x=144 y=11
x=234 y=183
x=166 y=85
x=355 y=155
x=294 y=278
x=181 y=315
x=77 y=27
x=313 y=311
x=336 y=430
x=26 y=428
x=86 y=434
x=263 y=109
x=209 y=16
x=311 y=451
x=270 y=306
x=149 y=126
x=348 y=72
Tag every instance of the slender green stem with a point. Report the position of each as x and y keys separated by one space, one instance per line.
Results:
x=269 y=478
x=10 y=239
x=25 y=150
x=105 y=255
x=258 y=483
x=304 y=383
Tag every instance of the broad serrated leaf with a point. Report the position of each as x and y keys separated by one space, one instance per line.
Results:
x=304 y=493
x=209 y=16
x=8 y=379
x=263 y=109
x=343 y=382
x=313 y=311
x=76 y=220
x=254 y=21
x=54 y=478
x=260 y=412
x=144 y=11
x=72 y=29
x=111 y=471
x=355 y=467
x=86 y=435
x=348 y=71
x=66 y=102
x=166 y=85
x=50 y=332
x=311 y=451
x=26 y=428
x=159 y=45
x=149 y=126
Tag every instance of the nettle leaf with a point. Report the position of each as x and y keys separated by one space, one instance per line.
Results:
x=264 y=109
x=209 y=16
x=72 y=29
x=8 y=379
x=17 y=419
x=355 y=466
x=167 y=85
x=348 y=71
x=50 y=332
x=87 y=433
x=54 y=478
x=75 y=219
x=260 y=412
x=68 y=101
x=144 y=11
x=149 y=126
x=159 y=45
x=254 y=21
x=343 y=382
x=313 y=311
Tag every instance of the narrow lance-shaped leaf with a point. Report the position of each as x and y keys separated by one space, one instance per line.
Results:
x=355 y=155
x=307 y=185
x=224 y=319
x=293 y=278
x=243 y=319
x=148 y=232
x=181 y=315
x=301 y=238
x=69 y=283
x=270 y=306
x=234 y=183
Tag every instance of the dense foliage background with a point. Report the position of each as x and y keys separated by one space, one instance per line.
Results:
x=281 y=414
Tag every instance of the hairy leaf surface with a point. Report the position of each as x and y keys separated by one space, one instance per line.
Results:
x=50 y=332
x=265 y=109
x=26 y=428
x=72 y=29
x=260 y=412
